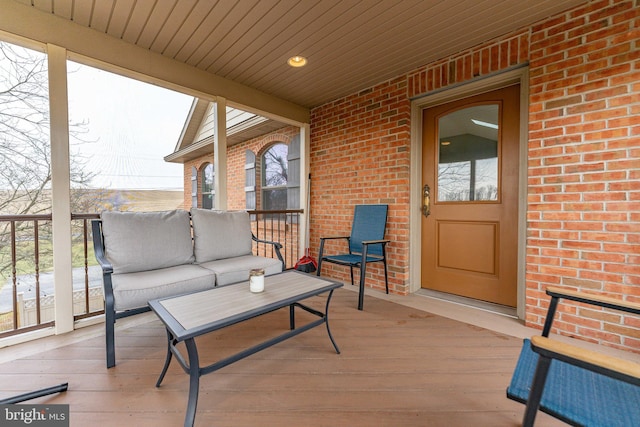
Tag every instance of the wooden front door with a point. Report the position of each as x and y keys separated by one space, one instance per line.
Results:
x=470 y=196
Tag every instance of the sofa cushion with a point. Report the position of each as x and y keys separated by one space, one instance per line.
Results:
x=220 y=234
x=134 y=290
x=141 y=241
x=232 y=270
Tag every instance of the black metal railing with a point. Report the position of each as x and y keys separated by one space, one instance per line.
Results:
x=18 y=234
x=26 y=263
x=277 y=226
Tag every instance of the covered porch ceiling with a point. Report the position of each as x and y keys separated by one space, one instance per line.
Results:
x=350 y=45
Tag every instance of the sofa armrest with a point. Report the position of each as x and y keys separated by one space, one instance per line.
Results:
x=107 y=285
x=276 y=247
x=98 y=247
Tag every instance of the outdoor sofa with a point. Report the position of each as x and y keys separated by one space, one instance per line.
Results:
x=149 y=255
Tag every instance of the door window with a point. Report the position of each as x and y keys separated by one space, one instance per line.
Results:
x=468 y=154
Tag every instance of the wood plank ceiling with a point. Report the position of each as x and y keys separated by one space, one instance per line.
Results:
x=350 y=44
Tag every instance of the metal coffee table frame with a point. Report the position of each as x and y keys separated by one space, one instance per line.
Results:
x=306 y=287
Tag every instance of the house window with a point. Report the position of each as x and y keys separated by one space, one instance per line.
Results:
x=207 y=187
x=272 y=181
x=250 y=179
x=194 y=187
x=275 y=178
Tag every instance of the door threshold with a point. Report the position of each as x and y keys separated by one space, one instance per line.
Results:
x=502 y=310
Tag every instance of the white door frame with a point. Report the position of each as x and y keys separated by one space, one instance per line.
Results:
x=518 y=75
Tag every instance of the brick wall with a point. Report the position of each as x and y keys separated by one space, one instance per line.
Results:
x=583 y=159
x=584 y=165
x=360 y=154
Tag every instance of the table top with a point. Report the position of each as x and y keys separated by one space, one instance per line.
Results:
x=190 y=315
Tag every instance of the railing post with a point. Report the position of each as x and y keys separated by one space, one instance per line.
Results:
x=36 y=250
x=85 y=235
x=14 y=275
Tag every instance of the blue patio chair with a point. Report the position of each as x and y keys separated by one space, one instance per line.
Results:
x=580 y=387
x=366 y=244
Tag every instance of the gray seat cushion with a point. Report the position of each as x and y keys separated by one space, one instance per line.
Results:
x=134 y=290
x=140 y=241
x=232 y=270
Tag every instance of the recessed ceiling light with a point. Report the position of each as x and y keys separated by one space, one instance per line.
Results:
x=485 y=124
x=297 y=61
x=445 y=143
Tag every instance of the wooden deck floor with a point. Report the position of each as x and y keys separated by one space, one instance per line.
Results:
x=398 y=366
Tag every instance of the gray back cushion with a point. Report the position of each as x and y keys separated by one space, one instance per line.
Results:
x=220 y=234
x=141 y=241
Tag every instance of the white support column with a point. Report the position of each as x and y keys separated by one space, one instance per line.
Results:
x=220 y=152
x=60 y=188
x=305 y=147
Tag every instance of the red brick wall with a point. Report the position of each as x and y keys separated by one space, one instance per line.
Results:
x=584 y=165
x=490 y=57
x=583 y=159
x=360 y=154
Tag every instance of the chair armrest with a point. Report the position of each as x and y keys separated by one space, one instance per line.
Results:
x=625 y=370
x=599 y=300
x=375 y=242
x=321 y=250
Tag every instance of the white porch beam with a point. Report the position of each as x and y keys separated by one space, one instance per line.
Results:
x=220 y=152
x=60 y=188
x=305 y=149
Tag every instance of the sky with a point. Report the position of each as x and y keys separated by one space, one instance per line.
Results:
x=132 y=125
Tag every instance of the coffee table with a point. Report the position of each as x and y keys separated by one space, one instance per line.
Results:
x=192 y=315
